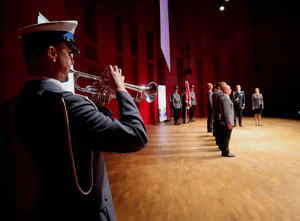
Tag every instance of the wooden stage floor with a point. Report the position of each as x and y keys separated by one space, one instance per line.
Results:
x=180 y=175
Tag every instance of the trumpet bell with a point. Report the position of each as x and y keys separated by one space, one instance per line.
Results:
x=151 y=91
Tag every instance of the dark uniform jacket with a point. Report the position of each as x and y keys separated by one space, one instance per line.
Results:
x=238 y=99
x=93 y=131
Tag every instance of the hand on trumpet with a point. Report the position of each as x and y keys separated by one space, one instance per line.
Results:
x=118 y=78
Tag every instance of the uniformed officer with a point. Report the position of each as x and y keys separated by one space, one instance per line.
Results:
x=175 y=102
x=226 y=120
x=193 y=104
x=238 y=98
x=48 y=51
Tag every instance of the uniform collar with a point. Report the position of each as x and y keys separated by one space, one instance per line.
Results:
x=56 y=82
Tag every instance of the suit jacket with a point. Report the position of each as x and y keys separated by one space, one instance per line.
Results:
x=226 y=109
x=93 y=131
x=257 y=101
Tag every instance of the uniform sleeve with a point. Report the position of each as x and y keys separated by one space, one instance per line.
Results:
x=262 y=102
x=210 y=99
x=102 y=132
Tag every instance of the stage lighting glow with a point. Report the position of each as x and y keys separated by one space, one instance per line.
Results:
x=222 y=8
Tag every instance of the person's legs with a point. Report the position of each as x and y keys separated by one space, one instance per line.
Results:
x=184 y=113
x=235 y=115
x=218 y=134
x=225 y=140
x=175 y=113
x=209 y=122
x=191 y=113
x=259 y=119
x=256 y=119
x=240 y=115
x=215 y=128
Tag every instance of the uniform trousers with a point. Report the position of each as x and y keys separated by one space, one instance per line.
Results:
x=176 y=112
x=225 y=135
x=184 y=114
x=192 y=112
x=210 y=120
x=217 y=132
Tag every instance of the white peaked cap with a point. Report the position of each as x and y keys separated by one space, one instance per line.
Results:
x=38 y=35
x=67 y=26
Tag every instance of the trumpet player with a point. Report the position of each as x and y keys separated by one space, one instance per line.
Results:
x=49 y=51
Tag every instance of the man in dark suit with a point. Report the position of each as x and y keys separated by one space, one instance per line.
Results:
x=226 y=120
x=238 y=98
x=48 y=50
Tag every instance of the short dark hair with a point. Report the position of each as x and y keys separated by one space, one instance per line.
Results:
x=218 y=85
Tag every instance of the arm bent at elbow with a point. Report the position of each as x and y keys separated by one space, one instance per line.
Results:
x=101 y=132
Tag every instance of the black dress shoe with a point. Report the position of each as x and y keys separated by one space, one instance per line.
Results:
x=228 y=155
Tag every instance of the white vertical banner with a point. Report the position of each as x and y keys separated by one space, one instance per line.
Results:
x=162 y=105
x=165 y=32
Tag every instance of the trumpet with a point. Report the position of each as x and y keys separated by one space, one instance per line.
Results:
x=101 y=87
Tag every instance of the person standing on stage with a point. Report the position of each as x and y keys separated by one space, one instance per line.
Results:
x=216 y=111
x=210 y=108
x=257 y=106
x=186 y=101
x=238 y=98
x=175 y=102
x=193 y=104
x=226 y=121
